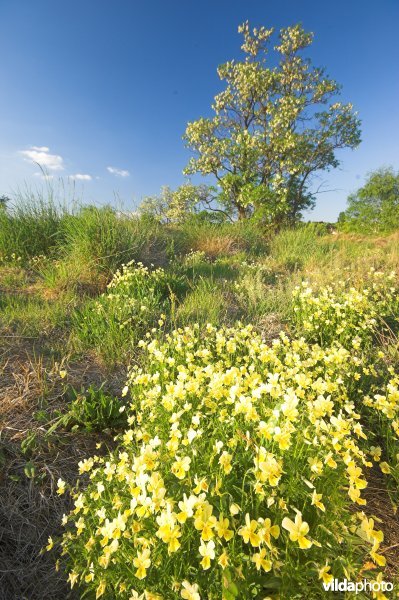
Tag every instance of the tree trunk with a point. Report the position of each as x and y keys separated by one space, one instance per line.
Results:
x=241 y=213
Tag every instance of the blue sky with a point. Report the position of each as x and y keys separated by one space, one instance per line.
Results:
x=104 y=89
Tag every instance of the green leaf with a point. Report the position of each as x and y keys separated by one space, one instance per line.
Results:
x=30 y=470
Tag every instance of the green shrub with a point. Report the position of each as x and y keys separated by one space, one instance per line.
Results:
x=373 y=208
x=93 y=409
x=135 y=300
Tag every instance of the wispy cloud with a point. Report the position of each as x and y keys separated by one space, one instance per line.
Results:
x=118 y=172
x=81 y=177
x=41 y=155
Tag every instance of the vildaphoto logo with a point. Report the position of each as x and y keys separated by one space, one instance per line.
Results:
x=344 y=585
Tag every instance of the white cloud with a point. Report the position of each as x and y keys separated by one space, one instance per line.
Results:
x=45 y=176
x=81 y=177
x=41 y=155
x=118 y=172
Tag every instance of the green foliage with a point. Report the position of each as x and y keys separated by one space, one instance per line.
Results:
x=274 y=127
x=196 y=265
x=94 y=410
x=133 y=303
x=374 y=208
x=176 y=206
x=30 y=315
x=342 y=312
x=194 y=386
x=4 y=200
x=262 y=292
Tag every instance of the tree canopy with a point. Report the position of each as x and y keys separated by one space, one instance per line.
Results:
x=275 y=125
x=374 y=208
x=175 y=206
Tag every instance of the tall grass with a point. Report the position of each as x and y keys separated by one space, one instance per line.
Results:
x=205 y=303
x=96 y=241
x=30 y=226
x=230 y=270
x=293 y=248
x=104 y=239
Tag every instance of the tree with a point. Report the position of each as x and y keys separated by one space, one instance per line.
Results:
x=174 y=206
x=374 y=208
x=274 y=127
x=4 y=200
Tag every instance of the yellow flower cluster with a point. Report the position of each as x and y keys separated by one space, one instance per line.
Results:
x=241 y=459
x=134 y=303
x=343 y=311
x=132 y=292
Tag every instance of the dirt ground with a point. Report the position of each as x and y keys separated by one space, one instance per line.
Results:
x=30 y=509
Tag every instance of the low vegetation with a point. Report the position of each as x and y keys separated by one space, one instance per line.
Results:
x=210 y=406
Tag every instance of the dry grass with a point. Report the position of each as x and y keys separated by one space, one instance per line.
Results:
x=30 y=509
x=270 y=326
x=214 y=247
x=379 y=506
x=27 y=517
